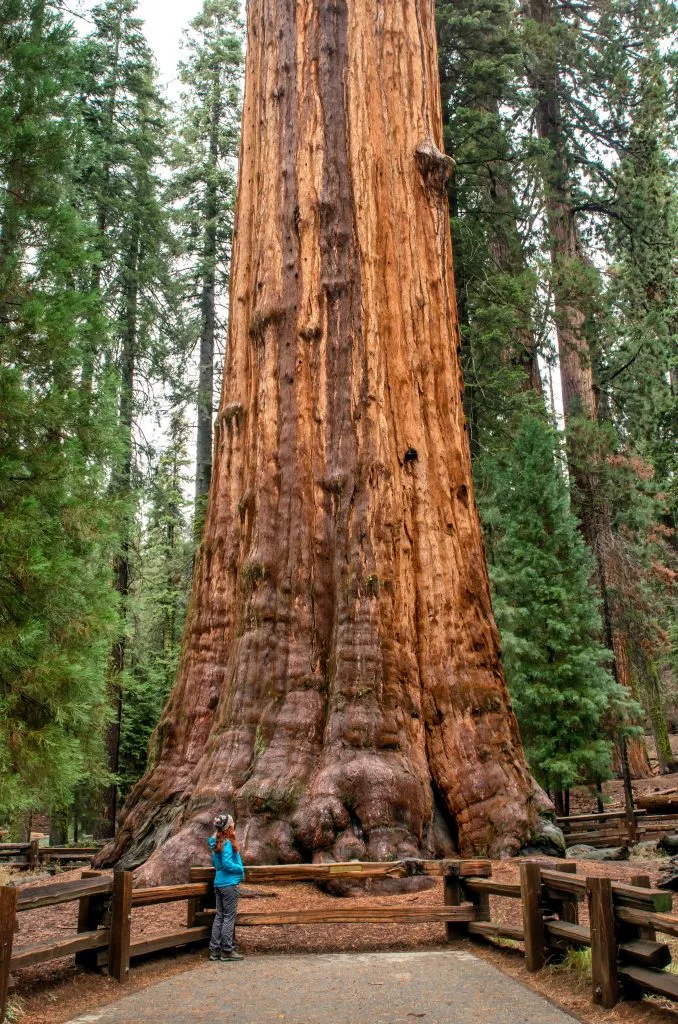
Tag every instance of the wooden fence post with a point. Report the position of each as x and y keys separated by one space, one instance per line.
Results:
x=453 y=895
x=33 y=854
x=644 y=932
x=8 y=899
x=569 y=908
x=480 y=901
x=533 y=916
x=91 y=910
x=629 y=933
x=565 y=906
x=603 y=943
x=121 y=926
x=197 y=903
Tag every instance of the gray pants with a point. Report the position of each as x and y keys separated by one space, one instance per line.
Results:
x=224 y=922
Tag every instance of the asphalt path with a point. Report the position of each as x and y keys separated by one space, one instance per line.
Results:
x=446 y=987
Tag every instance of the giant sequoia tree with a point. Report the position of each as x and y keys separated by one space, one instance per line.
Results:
x=341 y=687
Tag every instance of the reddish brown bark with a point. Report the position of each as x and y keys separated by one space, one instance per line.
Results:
x=341 y=688
x=576 y=366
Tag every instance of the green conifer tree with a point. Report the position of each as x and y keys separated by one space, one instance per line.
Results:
x=583 y=70
x=480 y=63
x=562 y=691
x=125 y=147
x=159 y=600
x=57 y=607
x=203 y=188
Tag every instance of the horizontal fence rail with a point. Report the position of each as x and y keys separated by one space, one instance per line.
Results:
x=28 y=856
x=613 y=828
x=627 y=958
x=278 y=873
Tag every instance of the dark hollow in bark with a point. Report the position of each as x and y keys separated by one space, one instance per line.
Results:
x=341 y=689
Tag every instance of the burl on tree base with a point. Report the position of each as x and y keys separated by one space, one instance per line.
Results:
x=341 y=689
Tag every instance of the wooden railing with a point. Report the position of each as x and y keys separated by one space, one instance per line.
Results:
x=624 y=918
x=611 y=828
x=93 y=894
x=106 y=903
x=26 y=856
x=626 y=958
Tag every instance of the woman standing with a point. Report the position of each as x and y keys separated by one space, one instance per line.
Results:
x=229 y=873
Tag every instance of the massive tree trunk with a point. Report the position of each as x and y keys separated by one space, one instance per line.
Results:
x=576 y=367
x=341 y=688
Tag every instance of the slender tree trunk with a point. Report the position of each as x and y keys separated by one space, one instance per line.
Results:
x=58 y=829
x=169 y=620
x=121 y=490
x=207 y=336
x=470 y=408
x=576 y=364
x=19 y=178
x=120 y=486
x=655 y=709
x=106 y=132
x=509 y=258
x=341 y=688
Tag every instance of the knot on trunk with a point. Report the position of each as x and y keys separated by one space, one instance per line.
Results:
x=436 y=168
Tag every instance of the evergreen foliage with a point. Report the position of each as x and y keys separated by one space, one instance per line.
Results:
x=160 y=589
x=57 y=610
x=557 y=117
x=547 y=611
x=480 y=59
x=125 y=149
x=203 y=191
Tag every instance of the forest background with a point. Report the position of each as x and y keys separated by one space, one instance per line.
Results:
x=116 y=213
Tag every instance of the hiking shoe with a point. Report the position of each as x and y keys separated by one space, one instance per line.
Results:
x=214 y=954
x=233 y=955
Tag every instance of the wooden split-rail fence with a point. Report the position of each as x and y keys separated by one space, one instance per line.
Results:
x=624 y=919
x=29 y=856
x=613 y=828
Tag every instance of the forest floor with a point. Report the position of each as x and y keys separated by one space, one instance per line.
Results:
x=55 y=992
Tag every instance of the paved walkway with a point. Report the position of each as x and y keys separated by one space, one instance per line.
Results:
x=344 y=988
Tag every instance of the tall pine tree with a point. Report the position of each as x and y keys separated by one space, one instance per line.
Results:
x=57 y=609
x=581 y=68
x=125 y=148
x=203 y=188
x=159 y=598
x=563 y=694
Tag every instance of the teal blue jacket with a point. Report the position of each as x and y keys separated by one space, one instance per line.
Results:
x=228 y=864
